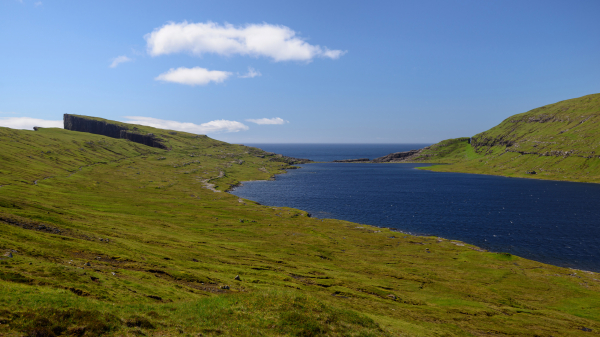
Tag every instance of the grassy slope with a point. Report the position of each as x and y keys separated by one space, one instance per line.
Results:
x=559 y=141
x=144 y=214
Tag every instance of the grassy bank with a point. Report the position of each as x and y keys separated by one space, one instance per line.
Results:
x=559 y=141
x=112 y=237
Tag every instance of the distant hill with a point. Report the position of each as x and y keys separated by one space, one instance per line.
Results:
x=558 y=141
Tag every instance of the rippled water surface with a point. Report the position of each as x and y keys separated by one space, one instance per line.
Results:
x=547 y=221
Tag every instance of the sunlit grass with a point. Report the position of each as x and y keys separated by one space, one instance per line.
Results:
x=145 y=248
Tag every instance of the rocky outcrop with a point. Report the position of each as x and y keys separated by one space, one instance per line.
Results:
x=286 y=159
x=99 y=127
x=359 y=160
x=397 y=156
x=148 y=139
x=104 y=128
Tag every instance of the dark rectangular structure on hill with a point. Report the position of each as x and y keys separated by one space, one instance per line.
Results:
x=99 y=127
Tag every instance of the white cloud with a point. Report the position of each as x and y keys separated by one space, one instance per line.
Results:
x=29 y=123
x=251 y=73
x=204 y=128
x=277 y=42
x=275 y=120
x=37 y=4
x=193 y=76
x=119 y=59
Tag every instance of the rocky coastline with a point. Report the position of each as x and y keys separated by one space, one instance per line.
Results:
x=396 y=157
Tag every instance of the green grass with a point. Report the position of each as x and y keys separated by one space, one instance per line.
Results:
x=163 y=251
x=559 y=141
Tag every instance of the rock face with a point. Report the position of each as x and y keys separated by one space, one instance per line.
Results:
x=397 y=156
x=286 y=159
x=83 y=124
x=148 y=139
x=359 y=160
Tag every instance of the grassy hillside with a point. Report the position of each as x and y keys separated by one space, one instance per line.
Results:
x=112 y=237
x=447 y=152
x=559 y=141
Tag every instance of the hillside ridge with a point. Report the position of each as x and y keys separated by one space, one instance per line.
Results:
x=559 y=141
x=105 y=236
x=111 y=129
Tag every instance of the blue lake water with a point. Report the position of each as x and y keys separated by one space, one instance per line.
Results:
x=548 y=221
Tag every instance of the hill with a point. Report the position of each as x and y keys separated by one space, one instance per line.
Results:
x=559 y=141
x=107 y=236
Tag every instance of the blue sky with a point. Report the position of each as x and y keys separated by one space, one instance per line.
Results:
x=317 y=71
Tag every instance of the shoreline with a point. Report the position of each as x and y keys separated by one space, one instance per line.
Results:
x=362 y=226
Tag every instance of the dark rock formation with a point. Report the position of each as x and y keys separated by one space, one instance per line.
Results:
x=104 y=128
x=360 y=160
x=276 y=157
x=397 y=156
x=148 y=139
x=288 y=160
x=82 y=124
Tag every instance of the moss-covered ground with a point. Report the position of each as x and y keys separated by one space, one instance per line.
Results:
x=117 y=238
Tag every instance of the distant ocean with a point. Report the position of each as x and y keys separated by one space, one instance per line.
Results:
x=548 y=221
x=331 y=152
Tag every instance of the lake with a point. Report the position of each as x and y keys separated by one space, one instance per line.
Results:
x=547 y=221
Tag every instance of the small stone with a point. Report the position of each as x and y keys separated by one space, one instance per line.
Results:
x=224 y=287
x=87 y=264
x=393 y=297
x=114 y=273
x=237 y=278
x=9 y=255
x=194 y=260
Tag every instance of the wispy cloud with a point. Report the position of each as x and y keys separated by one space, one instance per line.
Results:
x=215 y=126
x=37 y=4
x=279 y=43
x=263 y=121
x=118 y=60
x=29 y=123
x=251 y=73
x=7 y=113
x=193 y=76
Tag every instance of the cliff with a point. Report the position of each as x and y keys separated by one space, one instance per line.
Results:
x=111 y=129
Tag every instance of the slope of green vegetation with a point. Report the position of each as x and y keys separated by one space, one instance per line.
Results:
x=447 y=152
x=104 y=236
x=559 y=141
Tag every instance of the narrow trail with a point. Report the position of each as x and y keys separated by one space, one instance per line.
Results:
x=206 y=182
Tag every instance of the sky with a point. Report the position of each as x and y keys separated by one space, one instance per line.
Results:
x=296 y=71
